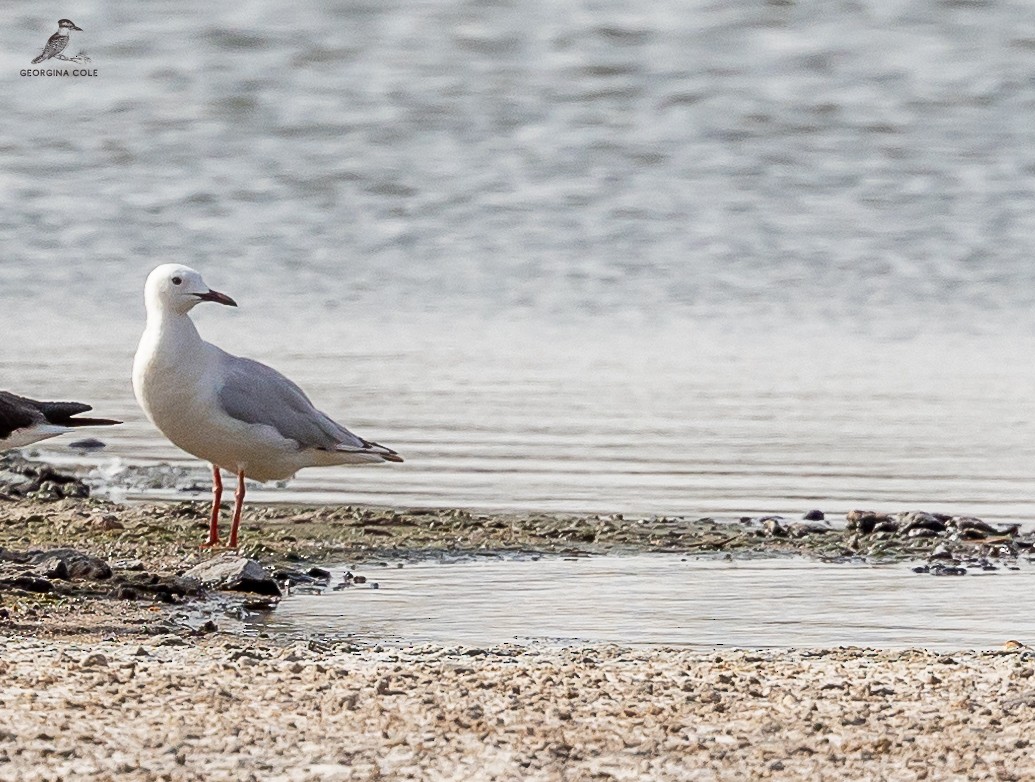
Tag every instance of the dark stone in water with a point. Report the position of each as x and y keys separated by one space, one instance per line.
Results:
x=947 y=570
x=319 y=573
x=293 y=578
x=88 y=444
x=814 y=515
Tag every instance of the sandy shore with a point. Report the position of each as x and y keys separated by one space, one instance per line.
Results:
x=104 y=679
x=226 y=709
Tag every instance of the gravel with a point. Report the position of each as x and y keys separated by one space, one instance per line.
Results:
x=219 y=709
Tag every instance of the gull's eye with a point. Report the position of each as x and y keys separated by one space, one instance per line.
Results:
x=177 y=280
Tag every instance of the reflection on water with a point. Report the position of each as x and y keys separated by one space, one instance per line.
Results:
x=668 y=600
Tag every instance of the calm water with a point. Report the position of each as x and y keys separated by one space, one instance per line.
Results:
x=694 y=258
x=659 y=599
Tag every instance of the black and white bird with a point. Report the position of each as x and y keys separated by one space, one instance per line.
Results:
x=58 y=41
x=24 y=421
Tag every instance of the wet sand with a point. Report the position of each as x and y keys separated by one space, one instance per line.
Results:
x=106 y=677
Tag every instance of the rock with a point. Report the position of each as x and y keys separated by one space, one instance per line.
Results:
x=169 y=640
x=917 y=519
x=87 y=444
x=27 y=584
x=947 y=570
x=292 y=578
x=235 y=574
x=42 y=482
x=76 y=563
x=167 y=589
x=773 y=528
x=922 y=532
x=123 y=592
x=814 y=515
x=865 y=520
x=965 y=523
x=972 y=534
x=800 y=530
x=53 y=567
x=941 y=551
x=95 y=661
x=319 y=573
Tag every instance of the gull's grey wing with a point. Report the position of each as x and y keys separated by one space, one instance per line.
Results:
x=258 y=394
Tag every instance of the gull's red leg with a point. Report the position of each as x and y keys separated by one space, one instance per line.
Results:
x=217 y=498
x=238 y=505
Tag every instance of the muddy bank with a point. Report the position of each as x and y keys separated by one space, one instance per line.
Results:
x=41 y=506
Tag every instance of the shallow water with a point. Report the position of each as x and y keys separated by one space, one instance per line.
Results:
x=690 y=258
x=667 y=600
x=714 y=426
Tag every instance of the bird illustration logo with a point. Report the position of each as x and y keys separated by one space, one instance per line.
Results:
x=58 y=41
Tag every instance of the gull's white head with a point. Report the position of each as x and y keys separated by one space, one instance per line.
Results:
x=173 y=287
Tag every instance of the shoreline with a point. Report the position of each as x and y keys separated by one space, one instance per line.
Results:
x=142 y=550
x=170 y=694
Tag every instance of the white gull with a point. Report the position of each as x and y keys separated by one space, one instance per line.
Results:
x=237 y=414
